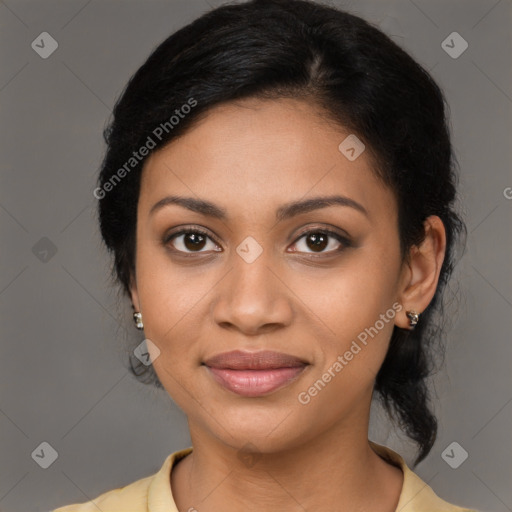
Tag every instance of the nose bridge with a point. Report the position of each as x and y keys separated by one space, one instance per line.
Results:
x=252 y=297
x=251 y=271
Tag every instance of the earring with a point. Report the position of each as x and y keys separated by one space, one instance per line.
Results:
x=413 y=318
x=138 y=320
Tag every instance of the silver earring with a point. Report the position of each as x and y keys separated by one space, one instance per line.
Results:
x=138 y=320
x=413 y=318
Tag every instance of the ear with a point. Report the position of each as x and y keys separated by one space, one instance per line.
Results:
x=421 y=270
x=134 y=295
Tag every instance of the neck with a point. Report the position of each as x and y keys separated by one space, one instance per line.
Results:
x=339 y=466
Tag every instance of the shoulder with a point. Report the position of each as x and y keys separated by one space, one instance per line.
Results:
x=130 y=498
x=416 y=495
x=137 y=496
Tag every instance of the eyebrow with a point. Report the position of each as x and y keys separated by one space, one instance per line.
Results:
x=284 y=212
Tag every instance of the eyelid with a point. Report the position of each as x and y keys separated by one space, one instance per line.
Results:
x=330 y=230
x=180 y=230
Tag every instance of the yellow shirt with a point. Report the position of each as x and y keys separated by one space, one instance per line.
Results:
x=153 y=493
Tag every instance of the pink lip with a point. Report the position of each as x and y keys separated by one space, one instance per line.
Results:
x=254 y=374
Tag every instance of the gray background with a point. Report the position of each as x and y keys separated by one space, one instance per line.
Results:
x=62 y=356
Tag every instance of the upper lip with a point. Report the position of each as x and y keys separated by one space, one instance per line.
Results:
x=262 y=360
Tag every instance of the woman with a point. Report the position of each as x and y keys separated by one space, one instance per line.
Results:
x=278 y=194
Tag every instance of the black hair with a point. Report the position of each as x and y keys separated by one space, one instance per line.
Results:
x=360 y=79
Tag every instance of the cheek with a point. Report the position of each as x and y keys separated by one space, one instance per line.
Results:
x=351 y=297
x=168 y=292
x=169 y=298
x=353 y=308
x=344 y=377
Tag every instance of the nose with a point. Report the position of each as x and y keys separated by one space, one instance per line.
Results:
x=252 y=298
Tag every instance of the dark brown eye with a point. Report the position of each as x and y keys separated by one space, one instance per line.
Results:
x=190 y=241
x=317 y=241
x=194 y=241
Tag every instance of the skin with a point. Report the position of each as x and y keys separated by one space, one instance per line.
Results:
x=250 y=158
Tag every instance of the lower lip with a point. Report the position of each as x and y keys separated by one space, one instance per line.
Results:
x=255 y=382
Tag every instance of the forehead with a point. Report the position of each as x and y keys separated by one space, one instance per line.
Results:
x=255 y=153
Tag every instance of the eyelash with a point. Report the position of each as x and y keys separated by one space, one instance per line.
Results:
x=344 y=241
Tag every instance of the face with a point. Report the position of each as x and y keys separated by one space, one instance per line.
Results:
x=318 y=284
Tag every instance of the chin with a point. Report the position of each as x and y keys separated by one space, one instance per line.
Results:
x=270 y=430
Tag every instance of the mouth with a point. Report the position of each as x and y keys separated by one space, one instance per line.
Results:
x=253 y=374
